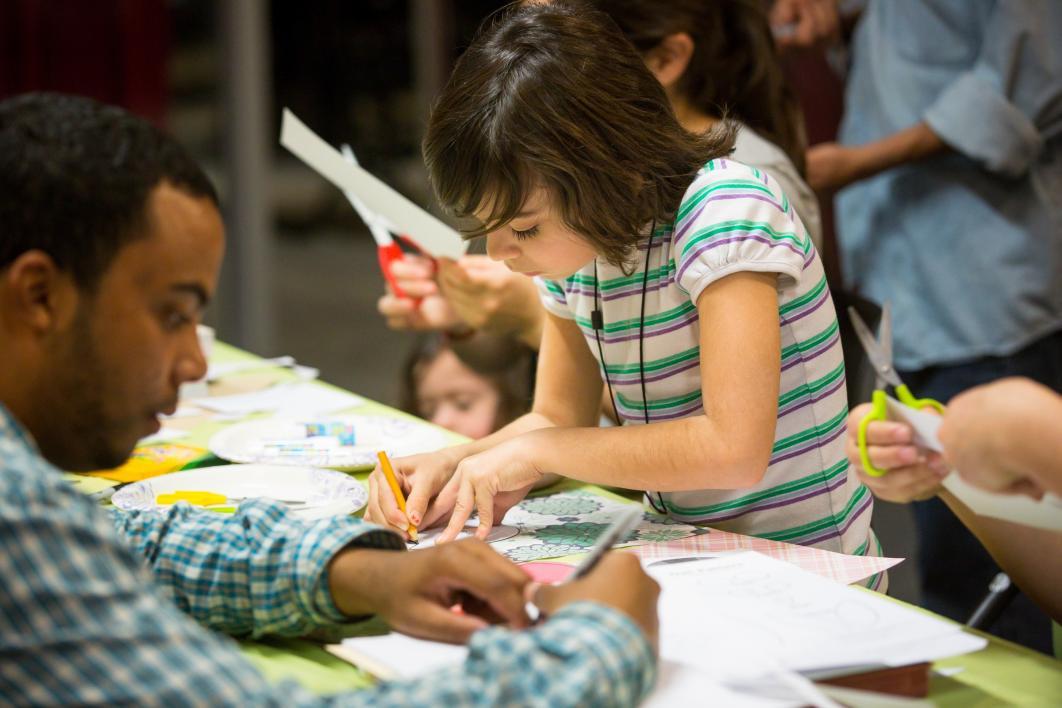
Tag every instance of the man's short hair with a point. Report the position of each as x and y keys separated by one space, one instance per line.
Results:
x=75 y=176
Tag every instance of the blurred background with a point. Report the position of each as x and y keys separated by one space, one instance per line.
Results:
x=300 y=274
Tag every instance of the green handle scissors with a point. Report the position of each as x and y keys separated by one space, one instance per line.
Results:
x=879 y=351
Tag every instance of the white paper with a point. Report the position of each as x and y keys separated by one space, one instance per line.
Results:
x=743 y=615
x=679 y=684
x=297 y=399
x=165 y=434
x=402 y=216
x=395 y=655
x=426 y=539
x=1044 y=513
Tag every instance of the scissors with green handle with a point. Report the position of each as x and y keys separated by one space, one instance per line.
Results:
x=879 y=351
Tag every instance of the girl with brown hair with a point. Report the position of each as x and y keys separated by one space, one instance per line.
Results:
x=681 y=281
x=712 y=58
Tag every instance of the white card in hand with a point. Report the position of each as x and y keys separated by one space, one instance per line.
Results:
x=403 y=216
x=1018 y=508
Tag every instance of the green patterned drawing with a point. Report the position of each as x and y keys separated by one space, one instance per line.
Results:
x=569 y=504
x=581 y=533
x=661 y=532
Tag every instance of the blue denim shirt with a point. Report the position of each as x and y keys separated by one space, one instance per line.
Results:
x=966 y=245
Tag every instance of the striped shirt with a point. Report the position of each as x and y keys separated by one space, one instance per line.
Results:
x=733 y=218
x=133 y=609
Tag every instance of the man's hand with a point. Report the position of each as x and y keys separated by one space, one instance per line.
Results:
x=832 y=166
x=805 y=24
x=414 y=591
x=618 y=581
x=912 y=474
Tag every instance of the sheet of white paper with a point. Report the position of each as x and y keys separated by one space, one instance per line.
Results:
x=165 y=434
x=1045 y=513
x=679 y=684
x=298 y=399
x=395 y=655
x=403 y=216
x=773 y=614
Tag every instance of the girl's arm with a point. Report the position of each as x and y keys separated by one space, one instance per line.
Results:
x=727 y=447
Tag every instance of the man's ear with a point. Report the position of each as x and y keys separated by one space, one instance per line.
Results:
x=668 y=60
x=36 y=295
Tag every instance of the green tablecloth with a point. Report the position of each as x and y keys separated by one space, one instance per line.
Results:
x=1001 y=674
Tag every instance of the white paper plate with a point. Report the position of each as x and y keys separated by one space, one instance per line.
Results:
x=254 y=441
x=320 y=493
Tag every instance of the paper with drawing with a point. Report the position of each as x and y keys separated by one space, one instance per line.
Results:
x=570 y=522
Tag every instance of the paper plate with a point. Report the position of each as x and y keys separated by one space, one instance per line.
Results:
x=314 y=493
x=287 y=442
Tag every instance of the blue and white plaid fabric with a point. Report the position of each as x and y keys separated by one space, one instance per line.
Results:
x=91 y=616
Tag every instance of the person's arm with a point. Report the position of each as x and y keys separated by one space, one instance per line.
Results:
x=260 y=571
x=915 y=474
x=1030 y=556
x=831 y=166
x=85 y=623
x=1014 y=88
x=726 y=447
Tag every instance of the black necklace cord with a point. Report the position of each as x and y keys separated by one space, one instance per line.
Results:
x=597 y=320
x=641 y=323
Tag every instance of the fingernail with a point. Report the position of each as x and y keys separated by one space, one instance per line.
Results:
x=908 y=455
x=415 y=518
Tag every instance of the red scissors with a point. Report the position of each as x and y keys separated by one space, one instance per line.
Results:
x=387 y=248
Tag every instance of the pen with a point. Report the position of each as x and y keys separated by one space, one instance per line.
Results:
x=389 y=473
x=625 y=522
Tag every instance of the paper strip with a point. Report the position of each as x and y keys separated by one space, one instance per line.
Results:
x=403 y=216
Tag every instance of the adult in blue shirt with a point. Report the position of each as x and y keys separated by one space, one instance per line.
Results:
x=110 y=250
x=950 y=171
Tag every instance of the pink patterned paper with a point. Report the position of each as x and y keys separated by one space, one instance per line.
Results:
x=835 y=566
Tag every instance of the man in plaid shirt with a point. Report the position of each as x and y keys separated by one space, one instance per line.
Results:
x=110 y=249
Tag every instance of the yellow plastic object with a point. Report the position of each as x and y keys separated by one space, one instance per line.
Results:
x=195 y=498
x=153 y=460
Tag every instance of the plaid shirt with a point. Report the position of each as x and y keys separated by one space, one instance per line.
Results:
x=90 y=616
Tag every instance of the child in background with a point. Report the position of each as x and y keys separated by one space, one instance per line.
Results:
x=711 y=58
x=681 y=280
x=474 y=394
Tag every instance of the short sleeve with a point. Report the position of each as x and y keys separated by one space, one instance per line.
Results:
x=554 y=299
x=1014 y=89
x=732 y=219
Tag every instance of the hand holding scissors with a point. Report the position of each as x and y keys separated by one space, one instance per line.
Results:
x=879 y=351
x=387 y=249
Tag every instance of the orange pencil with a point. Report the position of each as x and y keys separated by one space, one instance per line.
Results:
x=389 y=472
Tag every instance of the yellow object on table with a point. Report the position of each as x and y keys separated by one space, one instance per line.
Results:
x=151 y=461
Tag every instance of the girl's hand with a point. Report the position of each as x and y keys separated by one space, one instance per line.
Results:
x=490 y=483
x=423 y=479
x=913 y=474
